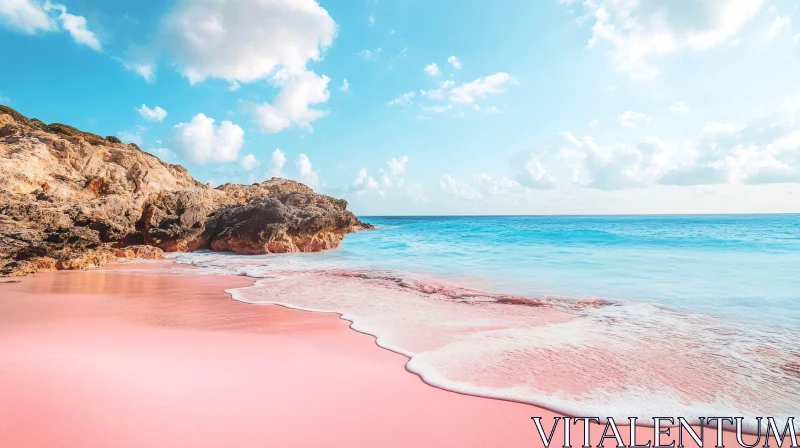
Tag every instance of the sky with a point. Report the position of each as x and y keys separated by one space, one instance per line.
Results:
x=420 y=107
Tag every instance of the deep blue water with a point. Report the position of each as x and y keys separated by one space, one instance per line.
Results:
x=740 y=266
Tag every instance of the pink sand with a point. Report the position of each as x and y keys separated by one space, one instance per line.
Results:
x=111 y=359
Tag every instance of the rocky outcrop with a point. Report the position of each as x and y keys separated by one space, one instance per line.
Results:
x=74 y=200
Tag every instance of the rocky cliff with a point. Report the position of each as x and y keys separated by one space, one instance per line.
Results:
x=73 y=200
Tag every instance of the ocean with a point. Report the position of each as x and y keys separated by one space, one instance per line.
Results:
x=589 y=315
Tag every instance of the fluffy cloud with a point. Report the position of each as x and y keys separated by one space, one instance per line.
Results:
x=390 y=177
x=145 y=70
x=246 y=40
x=305 y=171
x=533 y=175
x=452 y=60
x=292 y=107
x=480 y=88
x=243 y=41
x=779 y=23
x=630 y=118
x=762 y=152
x=458 y=189
x=450 y=94
x=201 y=142
x=26 y=16
x=249 y=162
x=364 y=181
x=29 y=16
x=76 y=26
x=432 y=69
x=491 y=186
x=157 y=114
x=480 y=187
x=278 y=160
x=397 y=166
x=766 y=151
x=402 y=100
x=638 y=30
x=345 y=86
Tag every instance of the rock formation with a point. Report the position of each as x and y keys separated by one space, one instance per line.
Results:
x=75 y=200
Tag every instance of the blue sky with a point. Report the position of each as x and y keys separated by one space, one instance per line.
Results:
x=545 y=107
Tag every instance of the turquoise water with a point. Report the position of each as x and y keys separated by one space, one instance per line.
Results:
x=597 y=315
x=741 y=266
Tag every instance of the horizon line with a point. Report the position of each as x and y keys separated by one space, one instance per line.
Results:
x=579 y=215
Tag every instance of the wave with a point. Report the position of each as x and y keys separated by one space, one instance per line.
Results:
x=580 y=357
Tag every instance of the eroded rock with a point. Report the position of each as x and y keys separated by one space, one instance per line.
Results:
x=74 y=200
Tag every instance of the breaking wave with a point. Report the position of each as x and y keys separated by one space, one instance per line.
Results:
x=581 y=357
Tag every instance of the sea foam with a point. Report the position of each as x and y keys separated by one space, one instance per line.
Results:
x=581 y=357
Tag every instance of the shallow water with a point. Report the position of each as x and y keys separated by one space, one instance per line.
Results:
x=697 y=315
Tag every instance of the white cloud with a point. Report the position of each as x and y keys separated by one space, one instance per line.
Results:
x=779 y=23
x=432 y=69
x=145 y=70
x=679 y=107
x=278 y=160
x=594 y=123
x=246 y=40
x=766 y=151
x=365 y=182
x=31 y=17
x=450 y=95
x=397 y=165
x=243 y=41
x=458 y=189
x=157 y=114
x=402 y=100
x=5 y=100
x=26 y=16
x=534 y=175
x=306 y=172
x=617 y=165
x=292 y=105
x=201 y=142
x=370 y=55
x=371 y=20
x=797 y=38
x=249 y=162
x=720 y=128
x=480 y=88
x=638 y=30
x=630 y=118
x=491 y=186
x=390 y=177
x=452 y=60
x=481 y=186
x=76 y=26
x=345 y=86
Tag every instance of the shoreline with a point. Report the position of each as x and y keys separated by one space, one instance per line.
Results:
x=70 y=337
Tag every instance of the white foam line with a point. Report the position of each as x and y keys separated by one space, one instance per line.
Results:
x=432 y=378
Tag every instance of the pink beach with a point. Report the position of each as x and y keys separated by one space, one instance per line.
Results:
x=134 y=359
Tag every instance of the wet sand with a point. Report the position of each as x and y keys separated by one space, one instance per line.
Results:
x=120 y=358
